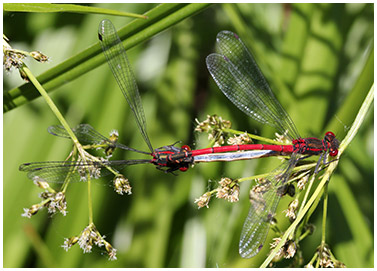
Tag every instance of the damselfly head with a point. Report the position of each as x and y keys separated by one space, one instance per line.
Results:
x=185 y=148
x=332 y=143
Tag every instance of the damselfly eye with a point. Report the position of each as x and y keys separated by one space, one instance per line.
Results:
x=333 y=152
x=331 y=134
x=183 y=169
x=185 y=148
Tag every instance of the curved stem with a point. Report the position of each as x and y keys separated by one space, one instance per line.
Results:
x=346 y=141
x=53 y=107
x=324 y=215
x=90 y=206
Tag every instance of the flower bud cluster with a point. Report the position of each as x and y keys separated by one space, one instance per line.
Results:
x=214 y=126
x=89 y=237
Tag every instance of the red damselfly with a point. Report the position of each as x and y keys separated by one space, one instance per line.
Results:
x=168 y=158
x=238 y=76
x=60 y=171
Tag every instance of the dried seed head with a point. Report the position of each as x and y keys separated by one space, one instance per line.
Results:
x=294 y=204
x=110 y=251
x=89 y=237
x=203 y=200
x=82 y=171
x=280 y=253
x=28 y=212
x=326 y=263
x=263 y=185
x=228 y=190
x=219 y=139
x=114 y=135
x=58 y=202
x=122 y=185
x=94 y=170
x=12 y=58
x=202 y=126
x=290 y=250
x=40 y=182
x=325 y=259
x=283 y=138
x=90 y=167
x=52 y=201
x=239 y=139
x=46 y=195
x=39 y=56
x=338 y=264
x=291 y=211
x=302 y=182
x=69 y=242
x=23 y=75
x=214 y=126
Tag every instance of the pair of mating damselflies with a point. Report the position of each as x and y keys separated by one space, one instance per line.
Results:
x=238 y=76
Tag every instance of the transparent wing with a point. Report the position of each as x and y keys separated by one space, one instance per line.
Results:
x=238 y=76
x=87 y=135
x=117 y=59
x=60 y=171
x=264 y=202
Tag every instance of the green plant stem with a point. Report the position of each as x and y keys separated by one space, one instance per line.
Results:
x=307 y=193
x=301 y=215
x=60 y=117
x=303 y=236
x=53 y=108
x=324 y=215
x=332 y=166
x=90 y=205
x=358 y=120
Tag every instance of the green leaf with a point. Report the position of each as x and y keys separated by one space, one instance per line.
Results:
x=44 y=7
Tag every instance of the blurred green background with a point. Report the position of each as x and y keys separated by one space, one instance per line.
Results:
x=315 y=57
